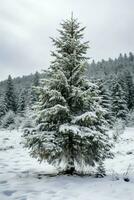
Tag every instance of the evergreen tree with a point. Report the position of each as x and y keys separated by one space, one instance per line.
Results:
x=33 y=97
x=10 y=97
x=22 y=101
x=8 y=119
x=36 y=79
x=70 y=124
x=119 y=104
x=130 y=90
x=131 y=56
x=105 y=101
x=126 y=82
x=2 y=108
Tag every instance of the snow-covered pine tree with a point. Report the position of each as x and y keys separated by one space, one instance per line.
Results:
x=105 y=101
x=126 y=82
x=8 y=119
x=2 y=107
x=22 y=102
x=130 y=90
x=119 y=104
x=36 y=79
x=70 y=126
x=28 y=121
x=10 y=97
x=32 y=93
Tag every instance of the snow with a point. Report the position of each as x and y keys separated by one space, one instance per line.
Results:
x=21 y=177
x=124 y=154
x=91 y=115
x=77 y=130
x=67 y=127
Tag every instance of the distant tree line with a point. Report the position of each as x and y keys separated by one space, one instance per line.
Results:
x=117 y=79
x=105 y=69
x=17 y=95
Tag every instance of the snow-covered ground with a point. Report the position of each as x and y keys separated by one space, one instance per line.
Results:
x=21 y=176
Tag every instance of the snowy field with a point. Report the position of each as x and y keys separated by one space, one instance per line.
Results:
x=21 y=176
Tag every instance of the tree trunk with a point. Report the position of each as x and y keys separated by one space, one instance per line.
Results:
x=70 y=169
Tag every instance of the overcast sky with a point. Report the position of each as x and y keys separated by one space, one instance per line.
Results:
x=26 y=25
